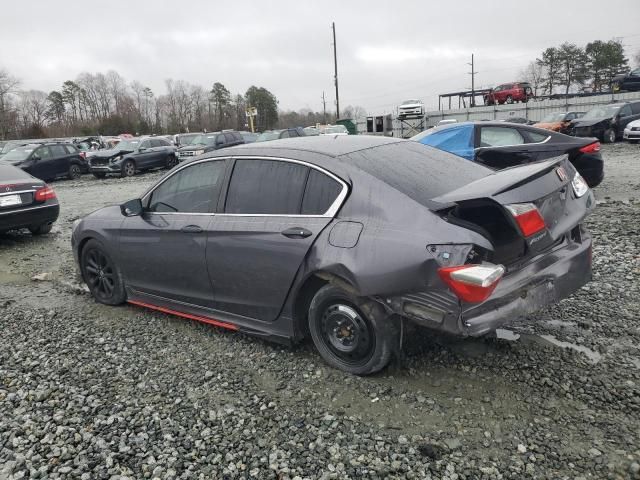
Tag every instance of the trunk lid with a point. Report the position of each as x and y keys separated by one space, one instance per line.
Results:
x=481 y=206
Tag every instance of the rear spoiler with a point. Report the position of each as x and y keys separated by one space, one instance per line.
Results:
x=501 y=182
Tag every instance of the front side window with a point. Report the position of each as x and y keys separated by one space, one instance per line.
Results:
x=499 y=137
x=194 y=189
x=266 y=187
x=43 y=153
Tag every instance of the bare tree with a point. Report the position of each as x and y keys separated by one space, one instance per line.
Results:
x=535 y=74
x=33 y=106
x=8 y=85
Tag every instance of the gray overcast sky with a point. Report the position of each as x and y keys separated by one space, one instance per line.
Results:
x=387 y=51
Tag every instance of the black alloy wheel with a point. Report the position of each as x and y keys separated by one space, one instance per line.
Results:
x=172 y=161
x=101 y=274
x=74 y=171
x=609 y=136
x=347 y=338
x=128 y=168
x=509 y=99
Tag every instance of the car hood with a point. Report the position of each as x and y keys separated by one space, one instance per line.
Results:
x=589 y=123
x=635 y=123
x=549 y=125
x=110 y=153
x=622 y=76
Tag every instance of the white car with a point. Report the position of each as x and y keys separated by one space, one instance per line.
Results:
x=334 y=130
x=411 y=108
x=632 y=131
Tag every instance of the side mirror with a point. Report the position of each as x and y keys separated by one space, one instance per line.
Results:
x=35 y=158
x=142 y=149
x=132 y=208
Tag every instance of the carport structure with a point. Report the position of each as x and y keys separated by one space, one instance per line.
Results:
x=470 y=94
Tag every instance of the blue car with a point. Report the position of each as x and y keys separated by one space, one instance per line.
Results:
x=501 y=145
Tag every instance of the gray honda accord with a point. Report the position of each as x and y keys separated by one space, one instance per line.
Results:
x=344 y=239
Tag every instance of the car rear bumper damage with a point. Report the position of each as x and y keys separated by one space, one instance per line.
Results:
x=29 y=216
x=545 y=280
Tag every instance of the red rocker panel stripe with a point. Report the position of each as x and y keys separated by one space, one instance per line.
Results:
x=198 y=318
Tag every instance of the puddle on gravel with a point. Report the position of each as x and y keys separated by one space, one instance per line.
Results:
x=547 y=340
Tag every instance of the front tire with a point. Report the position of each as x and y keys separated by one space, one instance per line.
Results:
x=74 y=171
x=609 y=136
x=346 y=337
x=172 y=161
x=509 y=99
x=101 y=274
x=128 y=168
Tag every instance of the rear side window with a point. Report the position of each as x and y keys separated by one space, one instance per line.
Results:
x=58 y=151
x=71 y=149
x=625 y=111
x=229 y=138
x=537 y=137
x=635 y=108
x=499 y=137
x=320 y=193
x=266 y=187
x=194 y=189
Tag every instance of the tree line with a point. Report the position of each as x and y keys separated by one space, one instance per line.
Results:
x=569 y=66
x=105 y=103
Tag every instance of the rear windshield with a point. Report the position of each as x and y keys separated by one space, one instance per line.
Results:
x=419 y=171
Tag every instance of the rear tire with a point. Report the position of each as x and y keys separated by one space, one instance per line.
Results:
x=128 y=168
x=99 y=174
x=41 y=229
x=346 y=337
x=74 y=171
x=101 y=274
x=609 y=136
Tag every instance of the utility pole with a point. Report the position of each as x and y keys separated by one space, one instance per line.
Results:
x=473 y=90
x=324 y=110
x=335 y=68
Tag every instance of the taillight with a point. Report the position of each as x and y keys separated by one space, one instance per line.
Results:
x=45 y=193
x=527 y=217
x=591 y=148
x=579 y=185
x=472 y=283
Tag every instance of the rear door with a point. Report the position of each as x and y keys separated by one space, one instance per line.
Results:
x=145 y=155
x=274 y=211
x=162 y=251
x=60 y=159
x=501 y=147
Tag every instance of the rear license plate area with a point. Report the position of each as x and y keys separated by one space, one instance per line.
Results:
x=10 y=200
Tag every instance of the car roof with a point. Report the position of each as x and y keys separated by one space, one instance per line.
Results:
x=329 y=145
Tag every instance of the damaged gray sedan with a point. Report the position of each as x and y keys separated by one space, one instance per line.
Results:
x=344 y=240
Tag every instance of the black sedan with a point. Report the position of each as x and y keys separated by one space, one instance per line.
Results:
x=25 y=202
x=344 y=239
x=48 y=161
x=500 y=145
x=133 y=155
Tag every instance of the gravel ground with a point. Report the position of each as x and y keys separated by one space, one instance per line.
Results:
x=95 y=392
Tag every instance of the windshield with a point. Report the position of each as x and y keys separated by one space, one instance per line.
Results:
x=554 y=117
x=204 y=140
x=266 y=136
x=20 y=153
x=335 y=129
x=409 y=102
x=189 y=140
x=606 y=111
x=129 y=145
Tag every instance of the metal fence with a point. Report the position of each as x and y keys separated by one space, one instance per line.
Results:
x=532 y=110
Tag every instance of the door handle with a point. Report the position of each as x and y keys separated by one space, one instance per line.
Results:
x=297 y=232
x=191 y=229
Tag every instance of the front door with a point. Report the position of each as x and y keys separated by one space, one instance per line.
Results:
x=274 y=211
x=162 y=251
x=44 y=166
